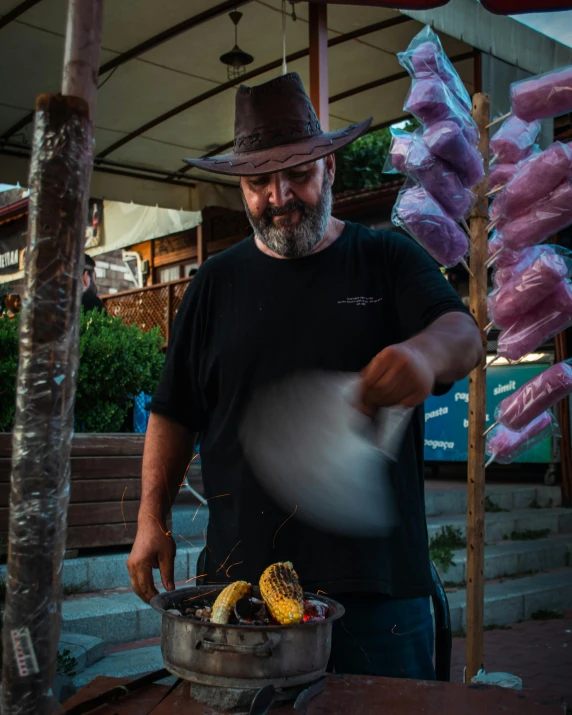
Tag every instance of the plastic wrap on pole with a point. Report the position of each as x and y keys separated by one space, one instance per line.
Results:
x=547 y=95
x=425 y=57
x=505 y=445
x=401 y=143
x=551 y=316
x=42 y=433
x=438 y=178
x=528 y=287
x=535 y=178
x=430 y=101
x=542 y=220
x=535 y=396
x=446 y=140
x=421 y=216
x=514 y=140
x=503 y=257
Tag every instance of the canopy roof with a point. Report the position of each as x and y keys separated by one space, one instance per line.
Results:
x=164 y=94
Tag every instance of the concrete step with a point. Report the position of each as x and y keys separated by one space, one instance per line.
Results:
x=189 y=521
x=123 y=664
x=88 y=574
x=86 y=651
x=514 y=600
x=499 y=526
x=454 y=501
x=511 y=558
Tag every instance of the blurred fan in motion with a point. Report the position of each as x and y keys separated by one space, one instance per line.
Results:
x=293 y=341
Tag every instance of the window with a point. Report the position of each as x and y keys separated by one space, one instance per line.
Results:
x=173 y=273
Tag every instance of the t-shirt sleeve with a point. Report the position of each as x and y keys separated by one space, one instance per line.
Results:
x=178 y=395
x=421 y=293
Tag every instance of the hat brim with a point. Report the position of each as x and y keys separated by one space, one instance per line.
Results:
x=285 y=156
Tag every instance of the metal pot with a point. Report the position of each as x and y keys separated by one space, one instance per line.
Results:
x=243 y=656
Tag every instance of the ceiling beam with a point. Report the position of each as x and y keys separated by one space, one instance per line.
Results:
x=134 y=52
x=343 y=95
x=17 y=11
x=245 y=77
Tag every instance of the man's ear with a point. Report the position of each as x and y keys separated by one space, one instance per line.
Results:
x=86 y=281
x=330 y=167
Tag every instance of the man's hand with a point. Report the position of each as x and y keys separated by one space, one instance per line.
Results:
x=153 y=549
x=398 y=375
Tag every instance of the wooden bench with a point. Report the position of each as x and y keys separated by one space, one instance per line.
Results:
x=105 y=489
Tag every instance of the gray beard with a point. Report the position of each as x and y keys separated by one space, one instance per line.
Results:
x=294 y=241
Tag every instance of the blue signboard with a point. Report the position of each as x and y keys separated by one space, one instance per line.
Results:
x=447 y=417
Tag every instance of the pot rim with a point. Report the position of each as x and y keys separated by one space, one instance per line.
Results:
x=158 y=604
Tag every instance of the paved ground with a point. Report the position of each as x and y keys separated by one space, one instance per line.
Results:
x=540 y=652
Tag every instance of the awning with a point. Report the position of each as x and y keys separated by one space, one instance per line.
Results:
x=128 y=224
x=500 y=7
x=165 y=95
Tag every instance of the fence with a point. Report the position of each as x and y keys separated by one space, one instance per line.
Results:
x=149 y=306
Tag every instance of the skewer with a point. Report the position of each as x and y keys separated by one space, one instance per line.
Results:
x=464 y=264
x=495 y=190
x=491 y=362
x=488 y=327
x=465 y=225
x=500 y=119
x=490 y=460
x=492 y=258
x=485 y=433
x=492 y=224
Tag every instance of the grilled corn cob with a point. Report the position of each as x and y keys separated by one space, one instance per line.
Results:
x=227 y=599
x=281 y=590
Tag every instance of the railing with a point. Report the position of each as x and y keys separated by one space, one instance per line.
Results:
x=150 y=306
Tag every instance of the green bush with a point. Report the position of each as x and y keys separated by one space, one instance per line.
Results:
x=117 y=362
x=8 y=367
x=360 y=165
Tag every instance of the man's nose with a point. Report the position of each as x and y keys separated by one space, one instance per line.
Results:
x=280 y=190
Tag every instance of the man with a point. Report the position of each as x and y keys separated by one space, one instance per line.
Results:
x=280 y=302
x=89 y=299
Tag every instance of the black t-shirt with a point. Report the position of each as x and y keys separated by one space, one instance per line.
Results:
x=90 y=301
x=248 y=319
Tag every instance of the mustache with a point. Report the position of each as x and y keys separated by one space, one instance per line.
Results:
x=290 y=207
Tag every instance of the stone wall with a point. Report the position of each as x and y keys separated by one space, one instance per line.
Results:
x=111 y=273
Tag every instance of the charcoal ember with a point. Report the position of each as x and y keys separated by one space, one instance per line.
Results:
x=314 y=610
x=250 y=609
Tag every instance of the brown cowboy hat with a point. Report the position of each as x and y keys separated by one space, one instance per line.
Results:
x=276 y=128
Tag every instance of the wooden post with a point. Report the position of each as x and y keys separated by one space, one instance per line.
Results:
x=319 y=61
x=169 y=315
x=477 y=412
x=60 y=172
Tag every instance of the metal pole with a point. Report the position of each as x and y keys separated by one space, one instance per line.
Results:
x=477 y=412
x=60 y=174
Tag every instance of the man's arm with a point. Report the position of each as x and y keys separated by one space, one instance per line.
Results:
x=406 y=373
x=168 y=450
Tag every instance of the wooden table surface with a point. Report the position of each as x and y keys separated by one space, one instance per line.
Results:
x=358 y=695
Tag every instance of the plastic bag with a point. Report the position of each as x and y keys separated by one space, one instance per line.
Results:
x=504 y=445
x=401 y=142
x=446 y=140
x=549 y=317
x=421 y=216
x=500 y=175
x=536 y=178
x=528 y=287
x=547 y=95
x=542 y=219
x=513 y=142
x=430 y=101
x=425 y=57
x=435 y=175
x=535 y=397
x=510 y=263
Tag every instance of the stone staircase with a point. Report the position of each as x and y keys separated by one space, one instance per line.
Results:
x=528 y=552
x=528 y=557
